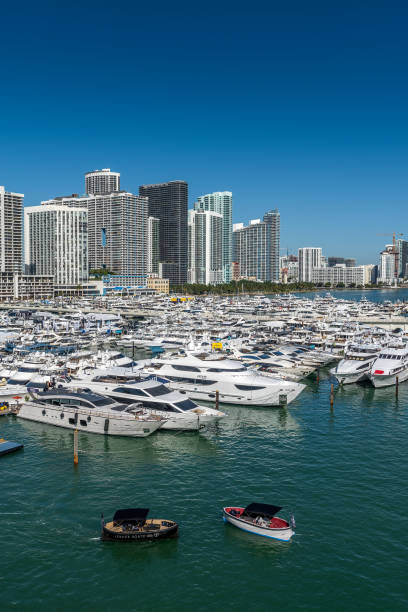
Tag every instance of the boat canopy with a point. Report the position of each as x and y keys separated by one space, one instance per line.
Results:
x=262 y=509
x=131 y=514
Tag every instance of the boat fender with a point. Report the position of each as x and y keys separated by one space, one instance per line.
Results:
x=106 y=426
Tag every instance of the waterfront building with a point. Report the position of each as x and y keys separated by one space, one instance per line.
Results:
x=256 y=247
x=221 y=202
x=17 y=286
x=339 y=274
x=168 y=202
x=160 y=285
x=348 y=262
x=235 y=270
x=205 y=231
x=370 y=274
x=387 y=268
x=56 y=243
x=117 y=230
x=11 y=231
x=102 y=181
x=289 y=269
x=309 y=258
x=153 y=245
x=402 y=246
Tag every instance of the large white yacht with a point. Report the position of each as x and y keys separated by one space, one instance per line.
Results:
x=87 y=412
x=356 y=363
x=155 y=398
x=390 y=363
x=200 y=376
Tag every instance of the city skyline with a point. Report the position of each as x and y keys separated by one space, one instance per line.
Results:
x=300 y=108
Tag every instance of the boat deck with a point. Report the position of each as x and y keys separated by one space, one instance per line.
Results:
x=156 y=524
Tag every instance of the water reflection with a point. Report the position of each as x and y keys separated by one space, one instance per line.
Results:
x=256 y=545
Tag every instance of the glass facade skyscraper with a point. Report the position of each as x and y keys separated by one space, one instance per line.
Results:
x=168 y=202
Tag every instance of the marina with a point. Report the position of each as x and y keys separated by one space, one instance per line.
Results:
x=315 y=459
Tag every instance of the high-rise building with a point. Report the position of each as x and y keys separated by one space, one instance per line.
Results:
x=340 y=273
x=309 y=258
x=153 y=245
x=402 y=246
x=168 y=202
x=205 y=247
x=386 y=272
x=11 y=231
x=221 y=203
x=102 y=181
x=56 y=243
x=256 y=247
x=117 y=230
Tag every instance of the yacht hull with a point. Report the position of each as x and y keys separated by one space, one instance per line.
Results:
x=387 y=380
x=86 y=421
x=276 y=534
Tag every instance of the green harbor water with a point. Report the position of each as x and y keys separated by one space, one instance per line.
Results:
x=342 y=472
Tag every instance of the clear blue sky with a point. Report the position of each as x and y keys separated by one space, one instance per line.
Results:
x=296 y=105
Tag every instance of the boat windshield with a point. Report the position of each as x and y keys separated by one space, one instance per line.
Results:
x=159 y=390
x=186 y=404
x=14 y=381
x=101 y=401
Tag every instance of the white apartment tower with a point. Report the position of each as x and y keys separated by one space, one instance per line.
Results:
x=205 y=265
x=256 y=247
x=102 y=181
x=309 y=258
x=386 y=272
x=153 y=245
x=221 y=202
x=11 y=231
x=117 y=230
x=56 y=243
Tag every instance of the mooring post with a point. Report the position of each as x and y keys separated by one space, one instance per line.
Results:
x=318 y=375
x=217 y=400
x=396 y=386
x=331 y=395
x=75 y=447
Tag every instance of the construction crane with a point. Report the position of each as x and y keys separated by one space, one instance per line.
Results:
x=394 y=251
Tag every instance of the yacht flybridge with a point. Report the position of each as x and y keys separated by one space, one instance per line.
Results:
x=199 y=376
x=87 y=412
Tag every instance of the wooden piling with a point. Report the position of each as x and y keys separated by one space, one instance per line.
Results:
x=217 y=400
x=317 y=375
x=75 y=447
x=331 y=395
x=396 y=386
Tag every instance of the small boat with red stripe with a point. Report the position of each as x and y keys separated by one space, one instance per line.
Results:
x=261 y=519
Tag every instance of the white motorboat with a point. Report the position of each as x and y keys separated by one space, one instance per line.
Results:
x=390 y=363
x=356 y=363
x=201 y=376
x=260 y=519
x=87 y=412
x=155 y=398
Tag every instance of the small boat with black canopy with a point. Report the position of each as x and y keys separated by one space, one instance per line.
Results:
x=132 y=524
x=260 y=519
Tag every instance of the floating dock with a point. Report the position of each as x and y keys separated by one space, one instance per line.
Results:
x=7 y=447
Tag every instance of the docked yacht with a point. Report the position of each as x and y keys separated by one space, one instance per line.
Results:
x=154 y=398
x=87 y=412
x=356 y=363
x=390 y=363
x=200 y=376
